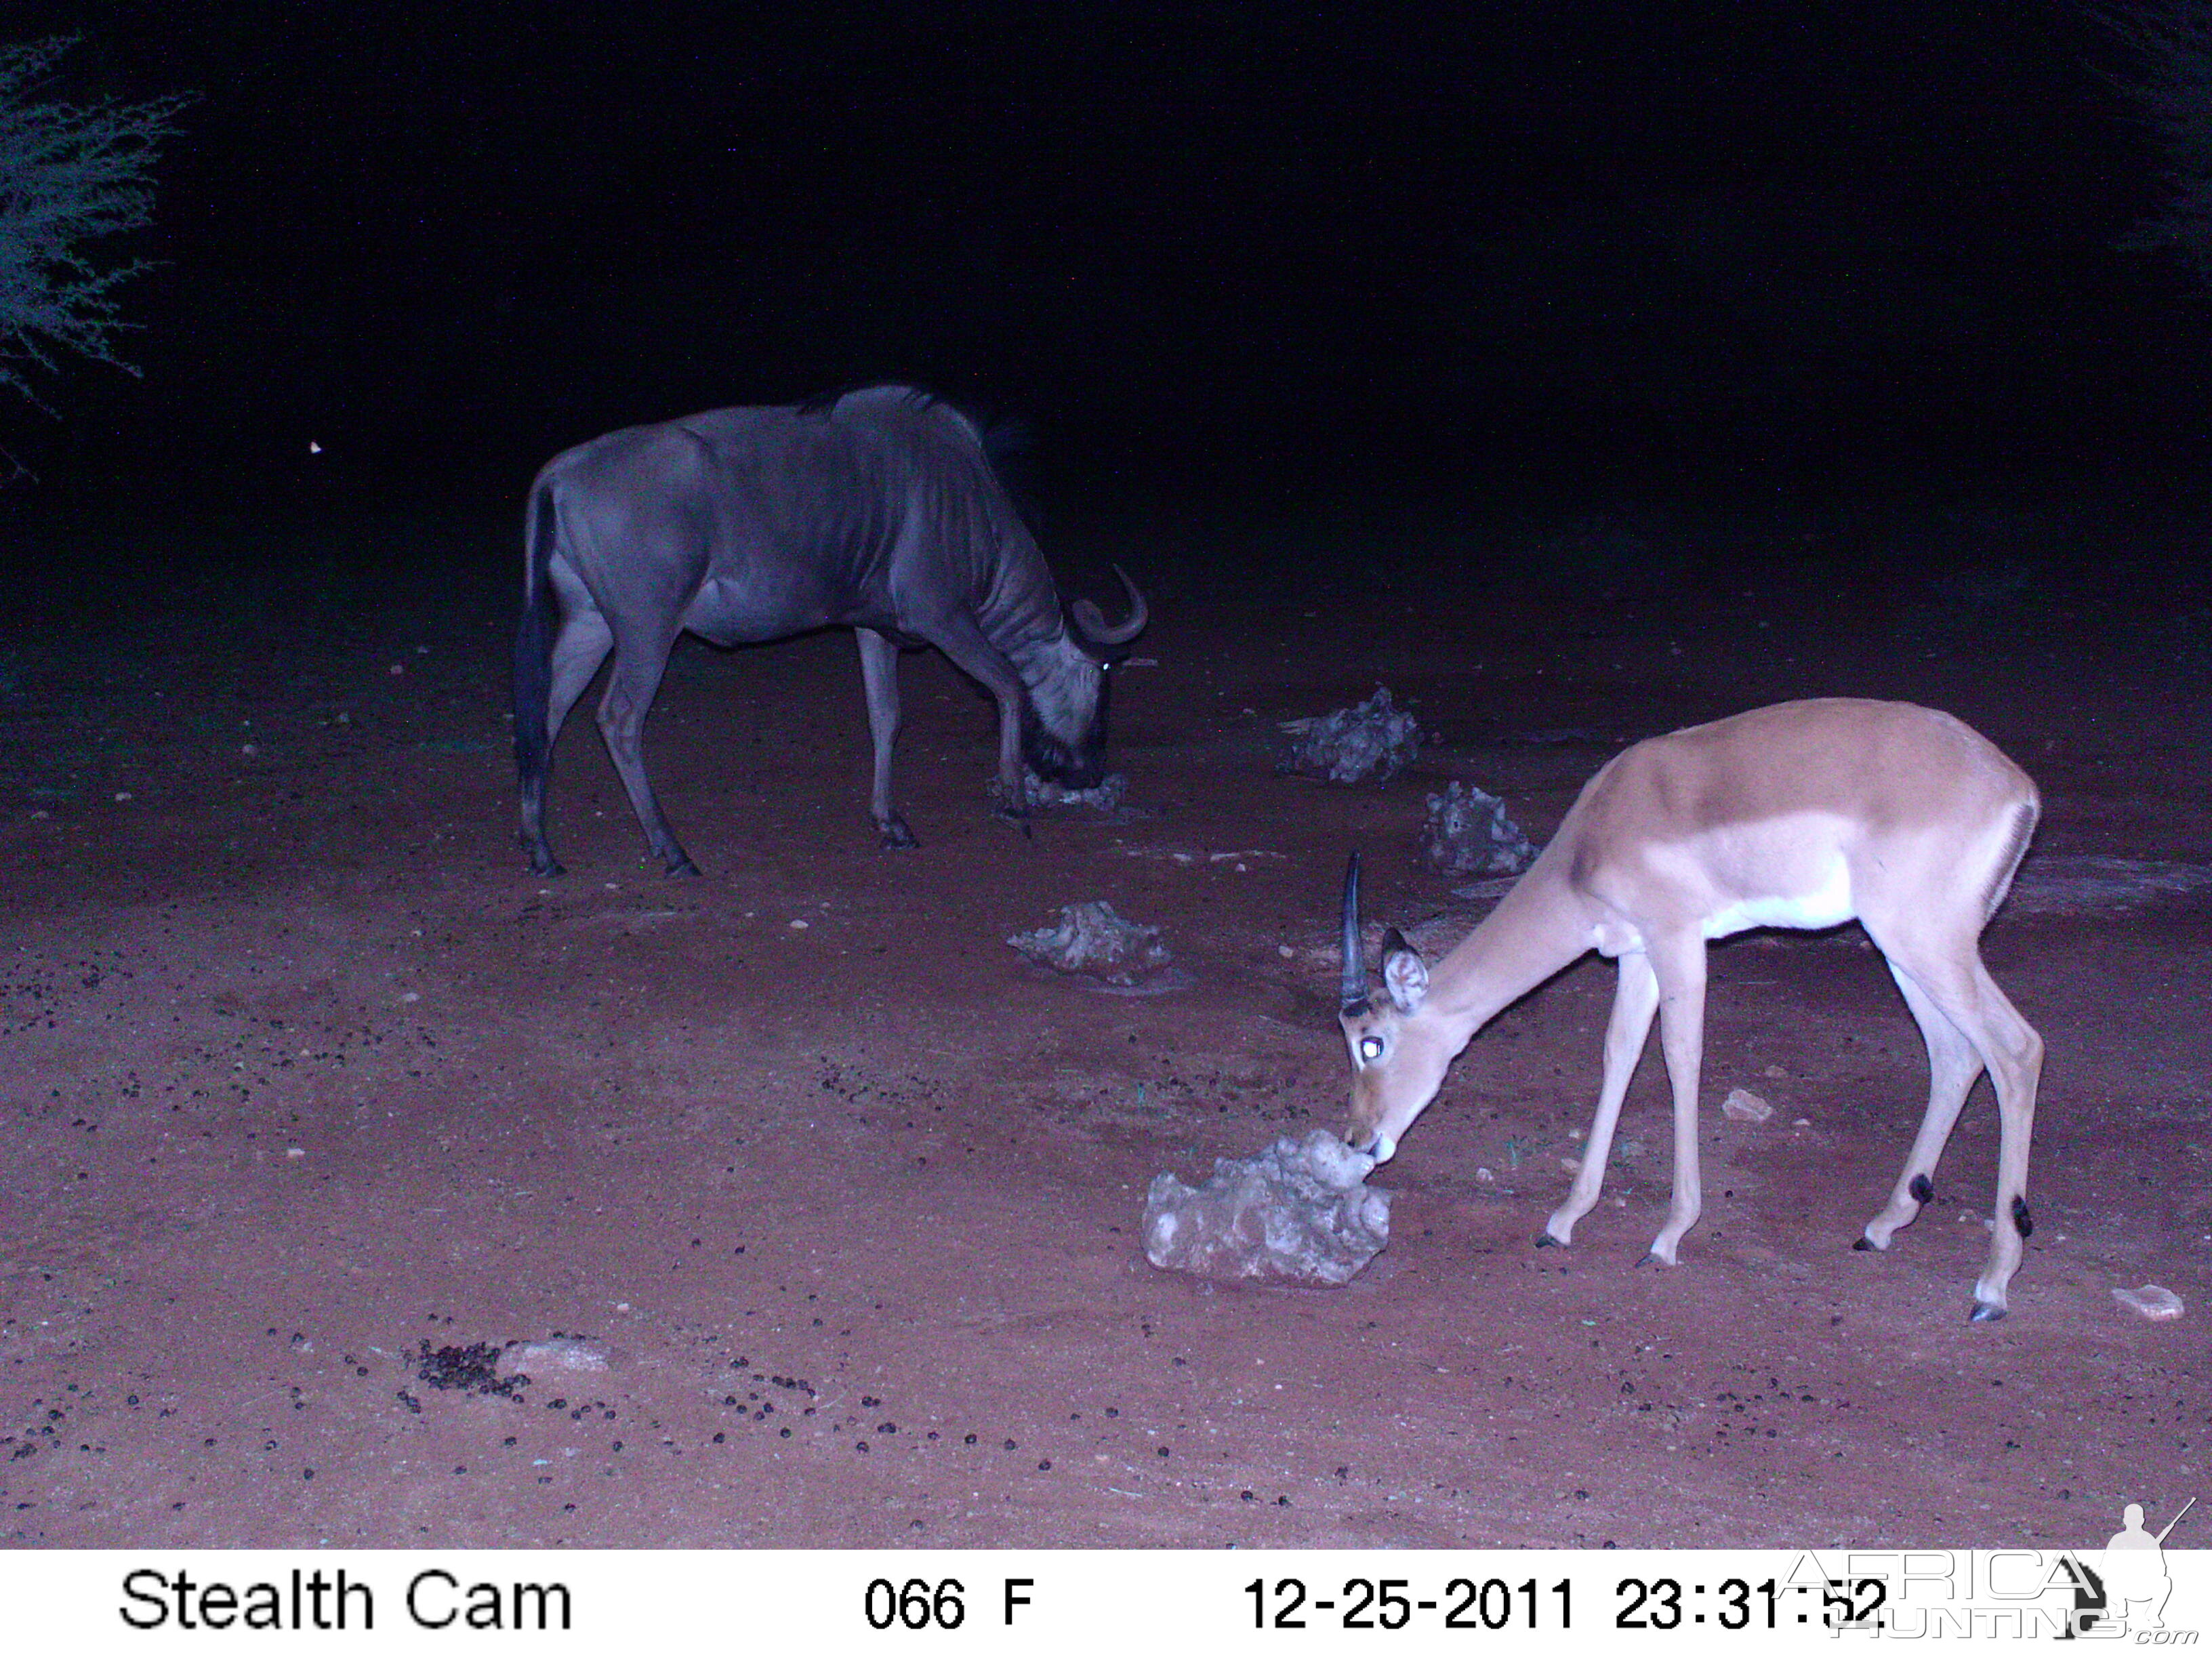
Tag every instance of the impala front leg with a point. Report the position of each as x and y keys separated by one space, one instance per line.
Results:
x=1633 y=1004
x=1681 y=980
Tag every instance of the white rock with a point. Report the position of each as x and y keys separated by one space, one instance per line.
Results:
x=1746 y=1107
x=1300 y=1212
x=2151 y=1301
x=1093 y=939
x=560 y=1353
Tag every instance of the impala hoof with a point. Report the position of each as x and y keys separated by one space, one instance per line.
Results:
x=1862 y=1243
x=547 y=868
x=894 y=835
x=1545 y=1242
x=1985 y=1311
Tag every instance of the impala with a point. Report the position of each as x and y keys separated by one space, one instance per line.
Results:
x=1801 y=815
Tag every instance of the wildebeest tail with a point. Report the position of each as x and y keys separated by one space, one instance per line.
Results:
x=533 y=644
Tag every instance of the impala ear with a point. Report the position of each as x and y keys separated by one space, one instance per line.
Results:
x=1405 y=975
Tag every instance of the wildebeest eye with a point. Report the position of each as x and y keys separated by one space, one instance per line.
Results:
x=1370 y=1048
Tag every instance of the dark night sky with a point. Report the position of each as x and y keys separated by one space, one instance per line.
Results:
x=1227 y=241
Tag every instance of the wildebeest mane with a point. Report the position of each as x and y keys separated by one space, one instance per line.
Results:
x=1002 y=440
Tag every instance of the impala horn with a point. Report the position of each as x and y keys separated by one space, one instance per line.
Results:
x=1354 y=994
x=1092 y=625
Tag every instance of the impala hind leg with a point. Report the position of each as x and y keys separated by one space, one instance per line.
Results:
x=879 y=677
x=1962 y=990
x=631 y=688
x=1953 y=1063
x=1634 y=1002
x=1681 y=979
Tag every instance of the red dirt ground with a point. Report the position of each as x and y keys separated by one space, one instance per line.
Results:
x=303 y=1071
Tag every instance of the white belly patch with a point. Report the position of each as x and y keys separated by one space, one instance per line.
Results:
x=1826 y=905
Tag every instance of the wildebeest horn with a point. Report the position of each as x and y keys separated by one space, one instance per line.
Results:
x=1091 y=624
x=1355 y=962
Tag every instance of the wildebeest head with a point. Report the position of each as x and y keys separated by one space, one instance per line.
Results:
x=1064 y=727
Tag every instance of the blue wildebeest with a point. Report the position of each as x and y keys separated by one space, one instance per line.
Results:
x=880 y=511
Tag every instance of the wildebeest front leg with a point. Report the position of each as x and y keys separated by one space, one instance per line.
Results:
x=631 y=688
x=961 y=641
x=879 y=675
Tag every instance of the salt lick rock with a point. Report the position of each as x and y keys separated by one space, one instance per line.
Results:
x=1299 y=1212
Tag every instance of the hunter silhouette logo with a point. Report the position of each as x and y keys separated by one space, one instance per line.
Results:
x=2127 y=1590
x=2135 y=1570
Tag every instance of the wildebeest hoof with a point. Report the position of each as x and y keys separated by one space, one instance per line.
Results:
x=683 y=867
x=892 y=833
x=548 y=868
x=1985 y=1311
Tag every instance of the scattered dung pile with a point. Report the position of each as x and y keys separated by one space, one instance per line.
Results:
x=1370 y=739
x=1092 y=938
x=1300 y=1212
x=1469 y=834
x=473 y=1369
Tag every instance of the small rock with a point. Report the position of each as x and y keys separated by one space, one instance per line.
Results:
x=1092 y=938
x=560 y=1353
x=1746 y=1107
x=2151 y=1301
x=1372 y=737
x=1103 y=796
x=1469 y=834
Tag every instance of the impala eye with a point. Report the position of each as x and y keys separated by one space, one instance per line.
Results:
x=1370 y=1048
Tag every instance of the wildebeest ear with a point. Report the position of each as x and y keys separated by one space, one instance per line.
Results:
x=1405 y=975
